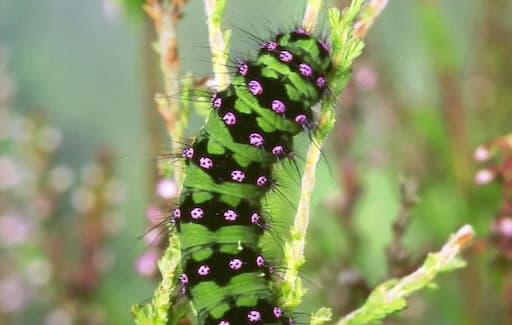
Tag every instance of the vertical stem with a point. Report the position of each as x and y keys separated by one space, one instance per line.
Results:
x=219 y=40
x=311 y=15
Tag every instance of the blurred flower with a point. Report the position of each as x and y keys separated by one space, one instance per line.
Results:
x=167 y=188
x=152 y=236
x=14 y=229
x=503 y=227
x=83 y=200
x=38 y=272
x=484 y=176
x=13 y=294
x=115 y=192
x=49 y=139
x=502 y=235
x=21 y=129
x=60 y=316
x=41 y=207
x=481 y=154
x=113 y=222
x=10 y=175
x=104 y=259
x=147 y=264
x=112 y=10
x=154 y=215
x=60 y=178
x=365 y=77
x=92 y=174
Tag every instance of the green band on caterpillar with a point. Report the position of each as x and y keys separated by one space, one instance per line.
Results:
x=229 y=166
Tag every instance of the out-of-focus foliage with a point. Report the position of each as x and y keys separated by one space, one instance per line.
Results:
x=132 y=7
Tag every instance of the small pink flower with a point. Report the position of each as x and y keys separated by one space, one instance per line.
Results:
x=154 y=215
x=167 y=188
x=484 y=176
x=146 y=265
x=505 y=227
x=481 y=154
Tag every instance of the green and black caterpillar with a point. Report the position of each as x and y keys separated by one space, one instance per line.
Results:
x=220 y=216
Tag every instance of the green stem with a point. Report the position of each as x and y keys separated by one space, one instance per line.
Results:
x=389 y=297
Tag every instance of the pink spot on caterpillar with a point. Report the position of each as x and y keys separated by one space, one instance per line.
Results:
x=261 y=181
x=271 y=46
x=238 y=176
x=321 y=82
x=256 y=139
x=301 y=119
x=235 y=264
x=255 y=219
x=203 y=270
x=176 y=213
x=197 y=213
x=305 y=70
x=255 y=88
x=260 y=261
x=188 y=153
x=302 y=31
x=229 y=118
x=325 y=46
x=254 y=316
x=285 y=56
x=184 y=279
x=278 y=150
x=216 y=101
x=206 y=163
x=230 y=215
x=278 y=312
x=224 y=322
x=278 y=106
x=243 y=68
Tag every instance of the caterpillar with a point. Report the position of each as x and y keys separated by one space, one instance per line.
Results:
x=220 y=216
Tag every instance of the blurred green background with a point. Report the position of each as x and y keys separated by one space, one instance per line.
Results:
x=433 y=84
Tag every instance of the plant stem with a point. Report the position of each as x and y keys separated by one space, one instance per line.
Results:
x=219 y=40
x=347 y=44
x=390 y=296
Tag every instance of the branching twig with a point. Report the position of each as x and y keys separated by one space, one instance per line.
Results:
x=397 y=255
x=389 y=297
x=347 y=43
x=219 y=40
x=165 y=16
